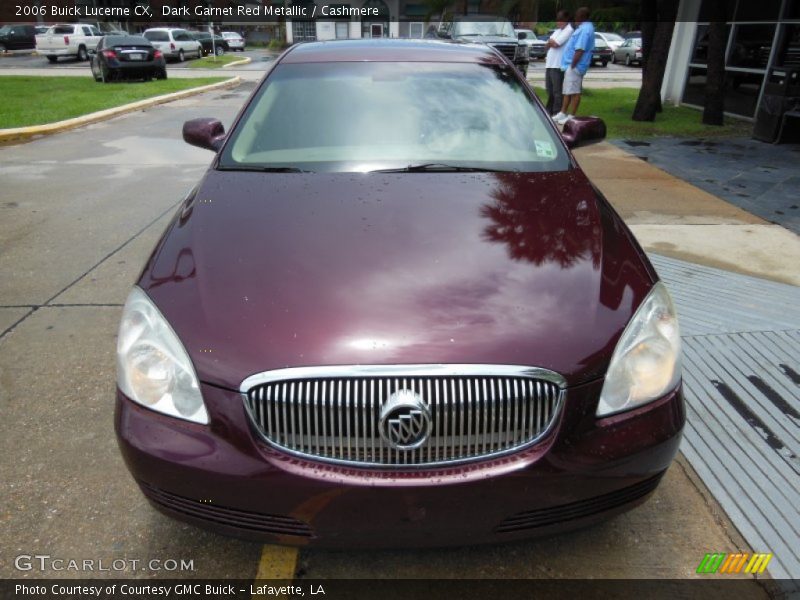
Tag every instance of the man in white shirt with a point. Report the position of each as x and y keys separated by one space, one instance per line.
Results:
x=554 y=76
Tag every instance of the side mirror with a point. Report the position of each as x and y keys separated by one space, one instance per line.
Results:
x=582 y=131
x=522 y=35
x=204 y=133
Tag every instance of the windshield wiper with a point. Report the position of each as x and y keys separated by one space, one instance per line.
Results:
x=266 y=169
x=439 y=167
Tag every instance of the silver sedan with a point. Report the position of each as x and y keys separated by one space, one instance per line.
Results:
x=629 y=52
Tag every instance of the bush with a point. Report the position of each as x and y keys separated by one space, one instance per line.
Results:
x=276 y=44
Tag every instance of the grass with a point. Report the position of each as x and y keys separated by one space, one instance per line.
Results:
x=39 y=100
x=615 y=107
x=213 y=62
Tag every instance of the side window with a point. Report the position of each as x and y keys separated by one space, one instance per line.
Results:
x=87 y=31
x=96 y=32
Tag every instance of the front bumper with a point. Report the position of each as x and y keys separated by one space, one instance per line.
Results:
x=223 y=477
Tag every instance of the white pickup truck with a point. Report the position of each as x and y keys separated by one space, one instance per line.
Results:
x=75 y=39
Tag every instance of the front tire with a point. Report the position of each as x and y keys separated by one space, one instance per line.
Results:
x=605 y=63
x=162 y=74
x=614 y=58
x=2 y=48
x=181 y=56
x=219 y=50
x=627 y=60
x=82 y=54
x=52 y=59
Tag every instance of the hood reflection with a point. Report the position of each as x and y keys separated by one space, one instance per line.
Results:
x=555 y=225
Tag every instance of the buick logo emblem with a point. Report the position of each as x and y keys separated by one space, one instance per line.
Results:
x=405 y=421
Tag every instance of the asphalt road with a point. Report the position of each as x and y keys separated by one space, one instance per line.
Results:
x=81 y=211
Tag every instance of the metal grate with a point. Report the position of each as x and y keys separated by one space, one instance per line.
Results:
x=741 y=339
x=468 y=415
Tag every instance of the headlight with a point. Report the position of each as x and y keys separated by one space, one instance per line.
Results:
x=646 y=363
x=153 y=368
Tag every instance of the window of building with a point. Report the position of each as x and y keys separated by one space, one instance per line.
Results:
x=762 y=10
x=342 y=30
x=707 y=9
x=751 y=46
x=789 y=48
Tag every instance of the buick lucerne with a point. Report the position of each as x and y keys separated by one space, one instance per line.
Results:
x=395 y=312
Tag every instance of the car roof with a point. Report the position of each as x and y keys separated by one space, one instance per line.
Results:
x=392 y=50
x=125 y=39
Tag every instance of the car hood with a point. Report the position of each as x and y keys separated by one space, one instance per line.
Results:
x=489 y=39
x=260 y=271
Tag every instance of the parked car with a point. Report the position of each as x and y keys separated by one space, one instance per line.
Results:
x=536 y=47
x=463 y=343
x=614 y=40
x=217 y=45
x=602 y=52
x=127 y=57
x=235 y=41
x=41 y=29
x=629 y=52
x=632 y=34
x=74 y=40
x=174 y=44
x=17 y=37
x=497 y=32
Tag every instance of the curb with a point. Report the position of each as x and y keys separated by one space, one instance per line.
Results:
x=243 y=61
x=24 y=133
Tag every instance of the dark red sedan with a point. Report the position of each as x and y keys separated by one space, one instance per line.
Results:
x=395 y=312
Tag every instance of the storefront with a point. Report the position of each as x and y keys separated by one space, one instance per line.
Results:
x=760 y=35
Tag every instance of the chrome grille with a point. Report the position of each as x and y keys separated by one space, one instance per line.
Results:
x=335 y=413
x=509 y=50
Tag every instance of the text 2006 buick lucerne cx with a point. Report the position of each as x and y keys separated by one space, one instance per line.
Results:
x=395 y=312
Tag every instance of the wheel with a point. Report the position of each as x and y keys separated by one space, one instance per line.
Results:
x=106 y=74
x=82 y=54
x=95 y=73
x=52 y=59
x=614 y=58
x=219 y=51
x=605 y=63
x=627 y=60
x=181 y=56
x=2 y=48
x=162 y=74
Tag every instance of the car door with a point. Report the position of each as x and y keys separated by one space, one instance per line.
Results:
x=185 y=42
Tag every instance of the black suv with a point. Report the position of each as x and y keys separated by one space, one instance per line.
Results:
x=490 y=30
x=17 y=37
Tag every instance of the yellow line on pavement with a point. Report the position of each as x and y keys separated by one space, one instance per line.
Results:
x=277 y=562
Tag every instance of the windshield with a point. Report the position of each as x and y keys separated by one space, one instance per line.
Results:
x=613 y=37
x=157 y=36
x=353 y=116
x=5 y=29
x=470 y=28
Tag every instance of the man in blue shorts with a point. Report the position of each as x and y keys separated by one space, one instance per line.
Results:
x=575 y=62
